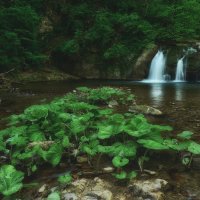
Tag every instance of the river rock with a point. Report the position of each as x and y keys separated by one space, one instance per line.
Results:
x=80 y=185
x=42 y=188
x=87 y=189
x=112 y=103
x=108 y=169
x=70 y=196
x=82 y=159
x=144 y=109
x=140 y=67
x=148 y=189
x=196 y=162
x=100 y=190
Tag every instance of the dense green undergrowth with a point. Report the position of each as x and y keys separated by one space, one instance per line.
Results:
x=108 y=34
x=83 y=122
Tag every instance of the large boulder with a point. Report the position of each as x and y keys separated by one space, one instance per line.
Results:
x=141 y=67
x=144 y=109
x=148 y=189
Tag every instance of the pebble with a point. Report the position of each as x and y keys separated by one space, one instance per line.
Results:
x=42 y=188
x=82 y=159
x=108 y=169
x=70 y=196
x=151 y=188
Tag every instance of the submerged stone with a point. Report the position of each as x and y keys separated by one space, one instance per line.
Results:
x=70 y=196
x=151 y=189
x=144 y=109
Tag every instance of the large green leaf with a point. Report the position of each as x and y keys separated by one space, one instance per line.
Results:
x=65 y=141
x=77 y=125
x=119 y=161
x=161 y=128
x=150 y=144
x=116 y=118
x=132 y=175
x=65 y=179
x=185 y=135
x=54 y=154
x=127 y=149
x=106 y=132
x=176 y=145
x=90 y=148
x=36 y=112
x=105 y=112
x=194 y=148
x=122 y=175
x=54 y=196
x=10 y=180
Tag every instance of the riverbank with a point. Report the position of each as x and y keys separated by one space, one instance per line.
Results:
x=160 y=165
x=46 y=74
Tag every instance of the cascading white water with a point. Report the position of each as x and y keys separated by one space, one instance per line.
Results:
x=157 y=68
x=180 y=70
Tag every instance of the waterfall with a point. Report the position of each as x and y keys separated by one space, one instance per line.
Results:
x=157 y=68
x=180 y=70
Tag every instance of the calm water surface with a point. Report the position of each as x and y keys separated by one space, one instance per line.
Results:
x=178 y=101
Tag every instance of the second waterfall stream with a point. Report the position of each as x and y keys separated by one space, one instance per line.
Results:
x=180 y=70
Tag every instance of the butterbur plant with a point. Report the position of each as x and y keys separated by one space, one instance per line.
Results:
x=10 y=180
x=65 y=179
x=82 y=121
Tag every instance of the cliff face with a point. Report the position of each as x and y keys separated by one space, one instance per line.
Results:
x=191 y=51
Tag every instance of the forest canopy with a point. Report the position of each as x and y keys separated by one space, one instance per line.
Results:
x=107 y=33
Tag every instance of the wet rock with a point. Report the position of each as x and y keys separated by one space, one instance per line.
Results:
x=82 y=159
x=148 y=189
x=87 y=189
x=140 y=68
x=46 y=25
x=91 y=197
x=121 y=197
x=53 y=189
x=108 y=169
x=42 y=188
x=196 y=162
x=113 y=103
x=100 y=190
x=144 y=109
x=70 y=196
x=80 y=184
x=149 y=172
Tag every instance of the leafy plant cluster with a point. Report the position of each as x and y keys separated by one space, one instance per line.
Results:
x=81 y=122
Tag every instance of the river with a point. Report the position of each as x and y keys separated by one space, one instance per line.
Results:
x=178 y=101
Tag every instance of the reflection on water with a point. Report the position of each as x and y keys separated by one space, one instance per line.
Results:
x=174 y=99
x=179 y=92
x=157 y=93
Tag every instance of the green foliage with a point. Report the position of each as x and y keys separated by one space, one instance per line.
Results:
x=65 y=179
x=19 y=30
x=194 y=148
x=53 y=196
x=81 y=121
x=109 y=34
x=116 y=32
x=185 y=135
x=10 y=180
